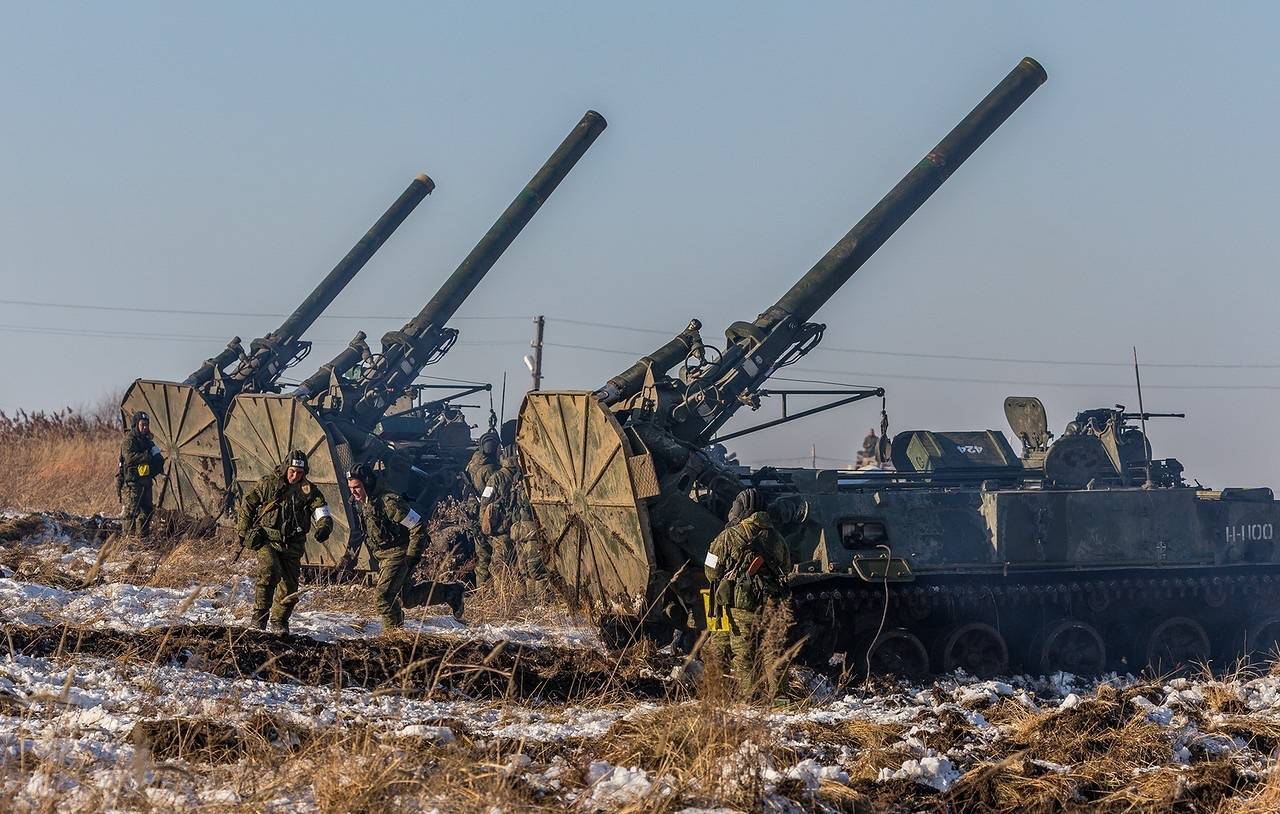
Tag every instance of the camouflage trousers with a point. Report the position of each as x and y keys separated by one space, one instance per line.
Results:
x=530 y=565
x=739 y=651
x=395 y=588
x=492 y=552
x=136 y=519
x=277 y=587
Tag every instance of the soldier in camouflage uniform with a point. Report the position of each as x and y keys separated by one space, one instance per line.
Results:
x=518 y=515
x=273 y=520
x=482 y=472
x=397 y=539
x=746 y=566
x=140 y=462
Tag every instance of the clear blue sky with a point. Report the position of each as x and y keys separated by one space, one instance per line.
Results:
x=222 y=157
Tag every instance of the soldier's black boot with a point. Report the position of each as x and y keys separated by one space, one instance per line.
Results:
x=258 y=621
x=453 y=598
x=280 y=626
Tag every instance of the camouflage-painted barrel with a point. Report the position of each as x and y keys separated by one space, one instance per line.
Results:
x=187 y=416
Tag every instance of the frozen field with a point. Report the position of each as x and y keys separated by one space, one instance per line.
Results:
x=128 y=682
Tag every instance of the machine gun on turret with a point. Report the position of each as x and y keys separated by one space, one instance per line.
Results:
x=187 y=417
x=336 y=415
x=627 y=499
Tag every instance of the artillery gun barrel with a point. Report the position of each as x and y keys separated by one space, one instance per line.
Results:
x=754 y=348
x=282 y=340
x=847 y=256
x=407 y=351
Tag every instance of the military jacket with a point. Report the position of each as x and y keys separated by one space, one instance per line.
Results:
x=285 y=511
x=480 y=469
x=732 y=552
x=138 y=455
x=389 y=523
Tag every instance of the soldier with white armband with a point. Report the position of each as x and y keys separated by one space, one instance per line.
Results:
x=273 y=520
x=397 y=538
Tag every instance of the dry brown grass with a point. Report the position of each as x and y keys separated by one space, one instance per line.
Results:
x=61 y=461
x=1262 y=799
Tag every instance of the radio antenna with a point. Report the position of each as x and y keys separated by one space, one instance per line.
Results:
x=1142 y=416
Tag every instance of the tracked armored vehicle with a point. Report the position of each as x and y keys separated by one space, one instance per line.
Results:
x=1079 y=554
x=346 y=412
x=188 y=417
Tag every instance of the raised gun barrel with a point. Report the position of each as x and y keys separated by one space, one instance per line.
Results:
x=269 y=354
x=835 y=268
x=847 y=256
x=407 y=351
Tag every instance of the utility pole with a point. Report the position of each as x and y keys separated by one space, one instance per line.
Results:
x=536 y=368
x=813 y=452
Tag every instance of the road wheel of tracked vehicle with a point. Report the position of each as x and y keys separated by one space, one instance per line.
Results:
x=897 y=652
x=1262 y=641
x=1068 y=645
x=1215 y=594
x=1174 y=644
x=975 y=647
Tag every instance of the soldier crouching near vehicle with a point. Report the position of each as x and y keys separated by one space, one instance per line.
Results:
x=140 y=462
x=746 y=566
x=397 y=539
x=274 y=518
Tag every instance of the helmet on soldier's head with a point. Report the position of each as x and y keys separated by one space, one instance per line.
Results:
x=296 y=459
x=747 y=503
x=508 y=432
x=139 y=415
x=363 y=473
x=489 y=443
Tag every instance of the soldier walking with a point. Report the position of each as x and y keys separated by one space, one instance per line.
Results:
x=746 y=566
x=140 y=462
x=274 y=518
x=397 y=539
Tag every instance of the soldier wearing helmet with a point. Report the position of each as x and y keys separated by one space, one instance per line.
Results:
x=484 y=473
x=273 y=520
x=140 y=462
x=397 y=538
x=746 y=566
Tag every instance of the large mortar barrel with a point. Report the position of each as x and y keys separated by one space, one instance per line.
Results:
x=710 y=408
x=407 y=351
x=265 y=355
x=187 y=417
x=847 y=256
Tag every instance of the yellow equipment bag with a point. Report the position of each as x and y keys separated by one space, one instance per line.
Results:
x=144 y=470
x=718 y=625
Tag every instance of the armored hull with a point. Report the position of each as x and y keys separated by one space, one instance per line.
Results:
x=988 y=577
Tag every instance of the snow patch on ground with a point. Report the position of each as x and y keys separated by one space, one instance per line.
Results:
x=126 y=607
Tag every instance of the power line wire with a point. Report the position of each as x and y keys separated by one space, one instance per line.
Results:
x=953 y=357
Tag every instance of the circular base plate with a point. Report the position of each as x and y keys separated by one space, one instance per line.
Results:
x=582 y=481
x=186 y=429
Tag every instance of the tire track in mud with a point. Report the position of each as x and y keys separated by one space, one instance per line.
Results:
x=420 y=667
